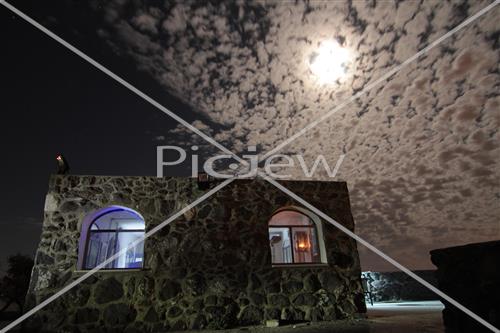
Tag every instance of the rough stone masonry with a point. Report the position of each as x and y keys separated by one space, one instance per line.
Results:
x=211 y=268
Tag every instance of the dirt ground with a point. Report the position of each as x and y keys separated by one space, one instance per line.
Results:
x=416 y=317
x=414 y=323
x=409 y=317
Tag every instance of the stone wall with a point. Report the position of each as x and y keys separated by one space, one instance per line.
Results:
x=211 y=268
x=470 y=274
x=398 y=286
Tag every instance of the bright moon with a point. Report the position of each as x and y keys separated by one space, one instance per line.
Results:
x=330 y=62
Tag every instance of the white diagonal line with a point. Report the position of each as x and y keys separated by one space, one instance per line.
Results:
x=152 y=102
x=347 y=102
x=210 y=140
x=119 y=80
x=381 y=79
x=115 y=256
x=380 y=253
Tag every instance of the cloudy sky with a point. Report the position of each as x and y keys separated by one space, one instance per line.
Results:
x=422 y=149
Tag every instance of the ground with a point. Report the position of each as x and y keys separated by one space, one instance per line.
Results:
x=408 y=317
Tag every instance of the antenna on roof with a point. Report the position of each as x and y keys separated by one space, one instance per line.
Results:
x=62 y=165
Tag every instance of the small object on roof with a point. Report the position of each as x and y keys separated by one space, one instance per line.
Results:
x=62 y=165
x=204 y=181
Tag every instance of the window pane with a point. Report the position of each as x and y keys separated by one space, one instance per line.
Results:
x=289 y=218
x=133 y=258
x=103 y=245
x=305 y=246
x=281 y=246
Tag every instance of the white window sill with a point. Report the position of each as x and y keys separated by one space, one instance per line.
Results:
x=116 y=270
x=318 y=265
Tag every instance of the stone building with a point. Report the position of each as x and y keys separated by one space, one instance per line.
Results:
x=246 y=254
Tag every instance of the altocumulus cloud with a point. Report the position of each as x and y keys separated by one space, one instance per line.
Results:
x=422 y=148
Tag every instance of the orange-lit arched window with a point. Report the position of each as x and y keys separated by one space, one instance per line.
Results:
x=293 y=238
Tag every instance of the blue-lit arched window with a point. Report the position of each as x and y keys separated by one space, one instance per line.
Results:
x=109 y=232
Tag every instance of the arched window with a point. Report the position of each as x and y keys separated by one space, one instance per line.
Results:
x=107 y=232
x=295 y=237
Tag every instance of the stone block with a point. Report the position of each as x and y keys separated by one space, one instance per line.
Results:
x=311 y=283
x=278 y=300
x=305 y=299
x=272 y=323
x=292 y=286
x=174 y=312
x=108 y=290
x=151 y=315
x=251 y=315
x=168 y=289
x=86 y=315
x=119 y=314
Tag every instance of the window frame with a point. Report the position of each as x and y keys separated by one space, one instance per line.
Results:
x=86 y=233
x=316 y=224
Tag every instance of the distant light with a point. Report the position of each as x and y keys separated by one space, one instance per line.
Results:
x=330 y=62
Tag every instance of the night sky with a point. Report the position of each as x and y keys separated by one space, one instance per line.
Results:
x=422 y=151
x=53 y=102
